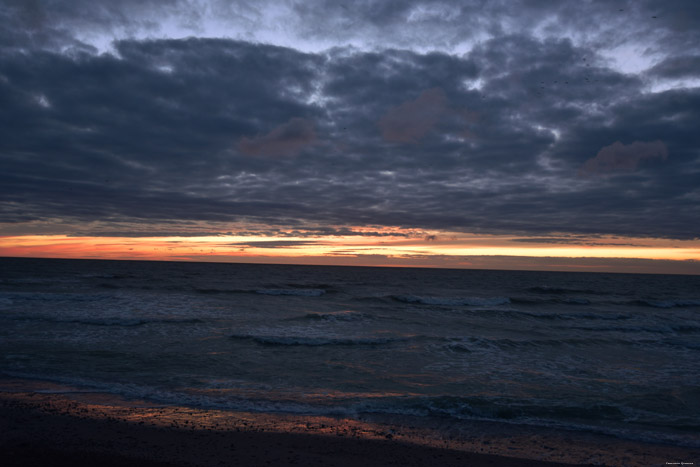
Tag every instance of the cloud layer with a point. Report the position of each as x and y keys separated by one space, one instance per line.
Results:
x=440 y=126
x=624 y=158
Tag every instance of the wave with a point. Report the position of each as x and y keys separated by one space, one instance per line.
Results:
x=44 y=296
x=452 y=301
x=222 y=291
x=304 y=286
x=557 y=300
x=667 y=303
x=663 y=329
x=472 y=344
x=173 y=288
x=345 y=315
x=108 y=276
x=627 y=329
x=476 y=344
x=576 y=301
x=33 y=281
x=545 y=289
x=294 y=292
x=315 y=341
x=653 y=303
x=552 y=316
x=685 y=329
x=126 y=322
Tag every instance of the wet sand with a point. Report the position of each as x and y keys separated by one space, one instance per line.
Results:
x=48 y=429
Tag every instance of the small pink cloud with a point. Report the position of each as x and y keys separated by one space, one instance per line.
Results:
x=620 y=157
x=287 y=139
x=410 y=121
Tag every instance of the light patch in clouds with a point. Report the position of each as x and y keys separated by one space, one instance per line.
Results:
x=630 y=57
x=261 y=22
x=670 y=84
x=287 y=139
x=619 y=157
x=439 y=12
x=43 y=101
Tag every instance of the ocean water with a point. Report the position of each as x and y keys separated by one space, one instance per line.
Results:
x=610 y=353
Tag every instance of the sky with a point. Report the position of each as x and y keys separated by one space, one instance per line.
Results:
x=518 y=134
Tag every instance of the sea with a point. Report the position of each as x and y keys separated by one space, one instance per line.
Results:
x=617 y=354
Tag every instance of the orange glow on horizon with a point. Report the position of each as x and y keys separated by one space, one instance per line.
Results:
x=394 y=249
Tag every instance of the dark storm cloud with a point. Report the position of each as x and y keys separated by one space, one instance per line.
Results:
x=221 y=130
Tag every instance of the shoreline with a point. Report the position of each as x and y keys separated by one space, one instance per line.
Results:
x=109 y=430
x=40 y=429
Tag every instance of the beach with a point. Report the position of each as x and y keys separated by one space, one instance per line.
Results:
x=43 y=428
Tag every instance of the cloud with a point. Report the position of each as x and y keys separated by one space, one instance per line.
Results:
x=150 y=233
x=573 y=241
x=172 y=133
x=619 y=157
x=287 y=139
x=276 y=244
x=685 y=66
x=565 y=241
x=410 y=121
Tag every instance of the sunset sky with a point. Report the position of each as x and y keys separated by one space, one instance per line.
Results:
x=477 y=134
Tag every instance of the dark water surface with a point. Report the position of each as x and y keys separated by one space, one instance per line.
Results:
x=613 y=353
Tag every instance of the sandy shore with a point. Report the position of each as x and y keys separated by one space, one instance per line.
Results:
x=91 y=429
